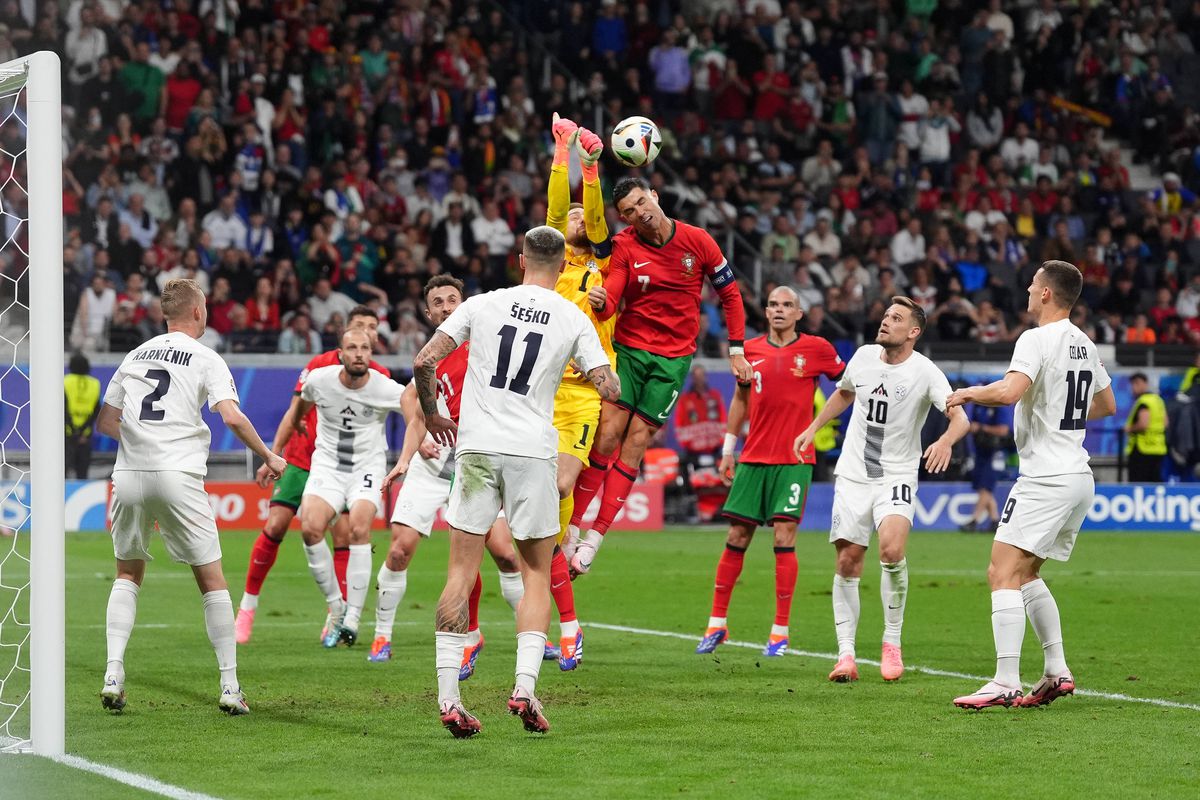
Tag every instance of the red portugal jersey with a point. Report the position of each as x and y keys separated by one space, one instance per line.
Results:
x=781 y=395
x=299 y=448
x=661 y=288
x=700 y=420
x=450 y=373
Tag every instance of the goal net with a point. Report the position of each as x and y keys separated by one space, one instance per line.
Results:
x=32 y=640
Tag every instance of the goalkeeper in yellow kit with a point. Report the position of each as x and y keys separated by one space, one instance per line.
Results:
x=577 y=405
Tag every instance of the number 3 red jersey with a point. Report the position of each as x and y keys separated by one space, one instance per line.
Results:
x=781 y=395
x=661 y=288
x=299 y=448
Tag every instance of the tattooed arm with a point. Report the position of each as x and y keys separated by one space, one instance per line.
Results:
x=606 y=383
x=424 y=368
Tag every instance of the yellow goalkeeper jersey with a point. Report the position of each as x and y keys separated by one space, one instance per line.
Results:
x=581 y=273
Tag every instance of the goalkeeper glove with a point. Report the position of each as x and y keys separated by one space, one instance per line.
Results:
x=564 y=131
x=590 y=147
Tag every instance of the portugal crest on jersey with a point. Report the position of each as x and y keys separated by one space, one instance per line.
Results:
x=689 y=264
x=798 y=361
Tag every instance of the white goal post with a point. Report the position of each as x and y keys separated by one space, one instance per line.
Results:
x=39 y=112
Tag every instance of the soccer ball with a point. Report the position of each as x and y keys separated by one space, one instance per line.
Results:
x=636 y=141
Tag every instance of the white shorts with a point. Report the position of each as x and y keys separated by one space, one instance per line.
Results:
x=423 y=492
x=1043 y=515
x=526 y=488
x=859 y=508
x=176 y=501
x=341 y=490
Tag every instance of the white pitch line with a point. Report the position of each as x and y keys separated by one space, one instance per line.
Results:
x=134 y=779
x=942 y=673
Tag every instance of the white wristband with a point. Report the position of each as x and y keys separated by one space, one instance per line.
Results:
x=737 y=351
x=730 y=443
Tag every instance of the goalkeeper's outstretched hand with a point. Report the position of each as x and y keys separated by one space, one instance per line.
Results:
x=564 y=133
x=588 y=145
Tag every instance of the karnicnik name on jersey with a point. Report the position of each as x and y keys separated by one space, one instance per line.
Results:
x=529 y=314
x=169 y=355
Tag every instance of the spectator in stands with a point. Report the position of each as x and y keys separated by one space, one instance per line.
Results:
x=325 y=303
x=153 y=323
x=223 y=224
x=1146 y=428
x=299 y=337
x=700 y=422
x=95 y=312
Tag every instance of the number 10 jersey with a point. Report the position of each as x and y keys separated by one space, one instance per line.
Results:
x=1050 y=420
x=891 y=402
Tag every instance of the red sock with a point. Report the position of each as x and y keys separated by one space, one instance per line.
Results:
x=616 y=489
x=589 y=482
x=341 y=557
x=473 y=604
x=560 y=587
x=262 y=558
x=786 y=570
x=728 y=570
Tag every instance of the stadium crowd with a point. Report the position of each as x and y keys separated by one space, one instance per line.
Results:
x=300 y=158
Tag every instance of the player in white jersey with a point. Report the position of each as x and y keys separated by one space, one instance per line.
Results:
x=348 y=466
x=892 y=388
x=521 y=341
x=427 y=468
x=1058 y=383
x=152 y=408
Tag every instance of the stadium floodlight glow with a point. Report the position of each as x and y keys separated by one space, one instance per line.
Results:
x=32 y=580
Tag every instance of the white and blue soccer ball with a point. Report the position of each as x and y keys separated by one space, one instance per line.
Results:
x=636 y=141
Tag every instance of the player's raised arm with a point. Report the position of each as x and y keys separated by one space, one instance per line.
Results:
x=721 y=276
x=590 y=146
x=424 y=376
x=558 y=187
x=236 y=420
x=1004 y=392
x=733 y=428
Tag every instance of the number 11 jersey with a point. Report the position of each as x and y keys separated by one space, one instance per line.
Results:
x=1050 y=420
x=521 y=340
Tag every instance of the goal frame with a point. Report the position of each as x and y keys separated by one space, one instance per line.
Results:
x=47 y=545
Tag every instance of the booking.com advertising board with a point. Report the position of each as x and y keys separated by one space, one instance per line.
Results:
x=939 y=506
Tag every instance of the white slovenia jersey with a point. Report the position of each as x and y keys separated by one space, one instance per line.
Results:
x=521 y=340
x=1050 y=420
x=350 y=433
x=160 y=388
x=891 y=403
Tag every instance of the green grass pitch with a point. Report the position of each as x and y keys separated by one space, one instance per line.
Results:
x=644 y=715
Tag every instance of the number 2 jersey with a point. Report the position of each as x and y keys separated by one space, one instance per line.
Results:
x=350 y=435
x=160 y=388
x=781 y=395
x=1050 y=420
x=891 y=402
x=521 y=340
x=299 y=448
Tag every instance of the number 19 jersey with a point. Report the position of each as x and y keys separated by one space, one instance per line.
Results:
x=1051 y=418
x=160 y=388
x=521 y=340
x=891 y=402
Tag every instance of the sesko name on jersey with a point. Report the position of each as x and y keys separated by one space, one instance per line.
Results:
x=529 y=314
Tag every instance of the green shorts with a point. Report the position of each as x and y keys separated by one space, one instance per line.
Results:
x=289 y=489
x=650 y=384
x=764 y=493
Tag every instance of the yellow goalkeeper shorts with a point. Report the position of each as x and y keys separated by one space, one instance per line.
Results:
x=576 y=416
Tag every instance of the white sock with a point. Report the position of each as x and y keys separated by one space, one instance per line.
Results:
x=391 y=592
x=449 y=659
x=249 y=602
x=717 y=622
x=473 y=637
x=568 y=630
x=893 y=590
x=512 y=588
x=1008 y=629
x=779 y=630
x=531 y=645
x=320 y=564
x=845 y=613
x=358 y=578
x=122 y=609
x=1043 y=615
x=218 y=619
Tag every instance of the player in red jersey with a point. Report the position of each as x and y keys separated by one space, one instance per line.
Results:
x=771 y=484
x=426 y=468
x=658 y=269
x=285 y=500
